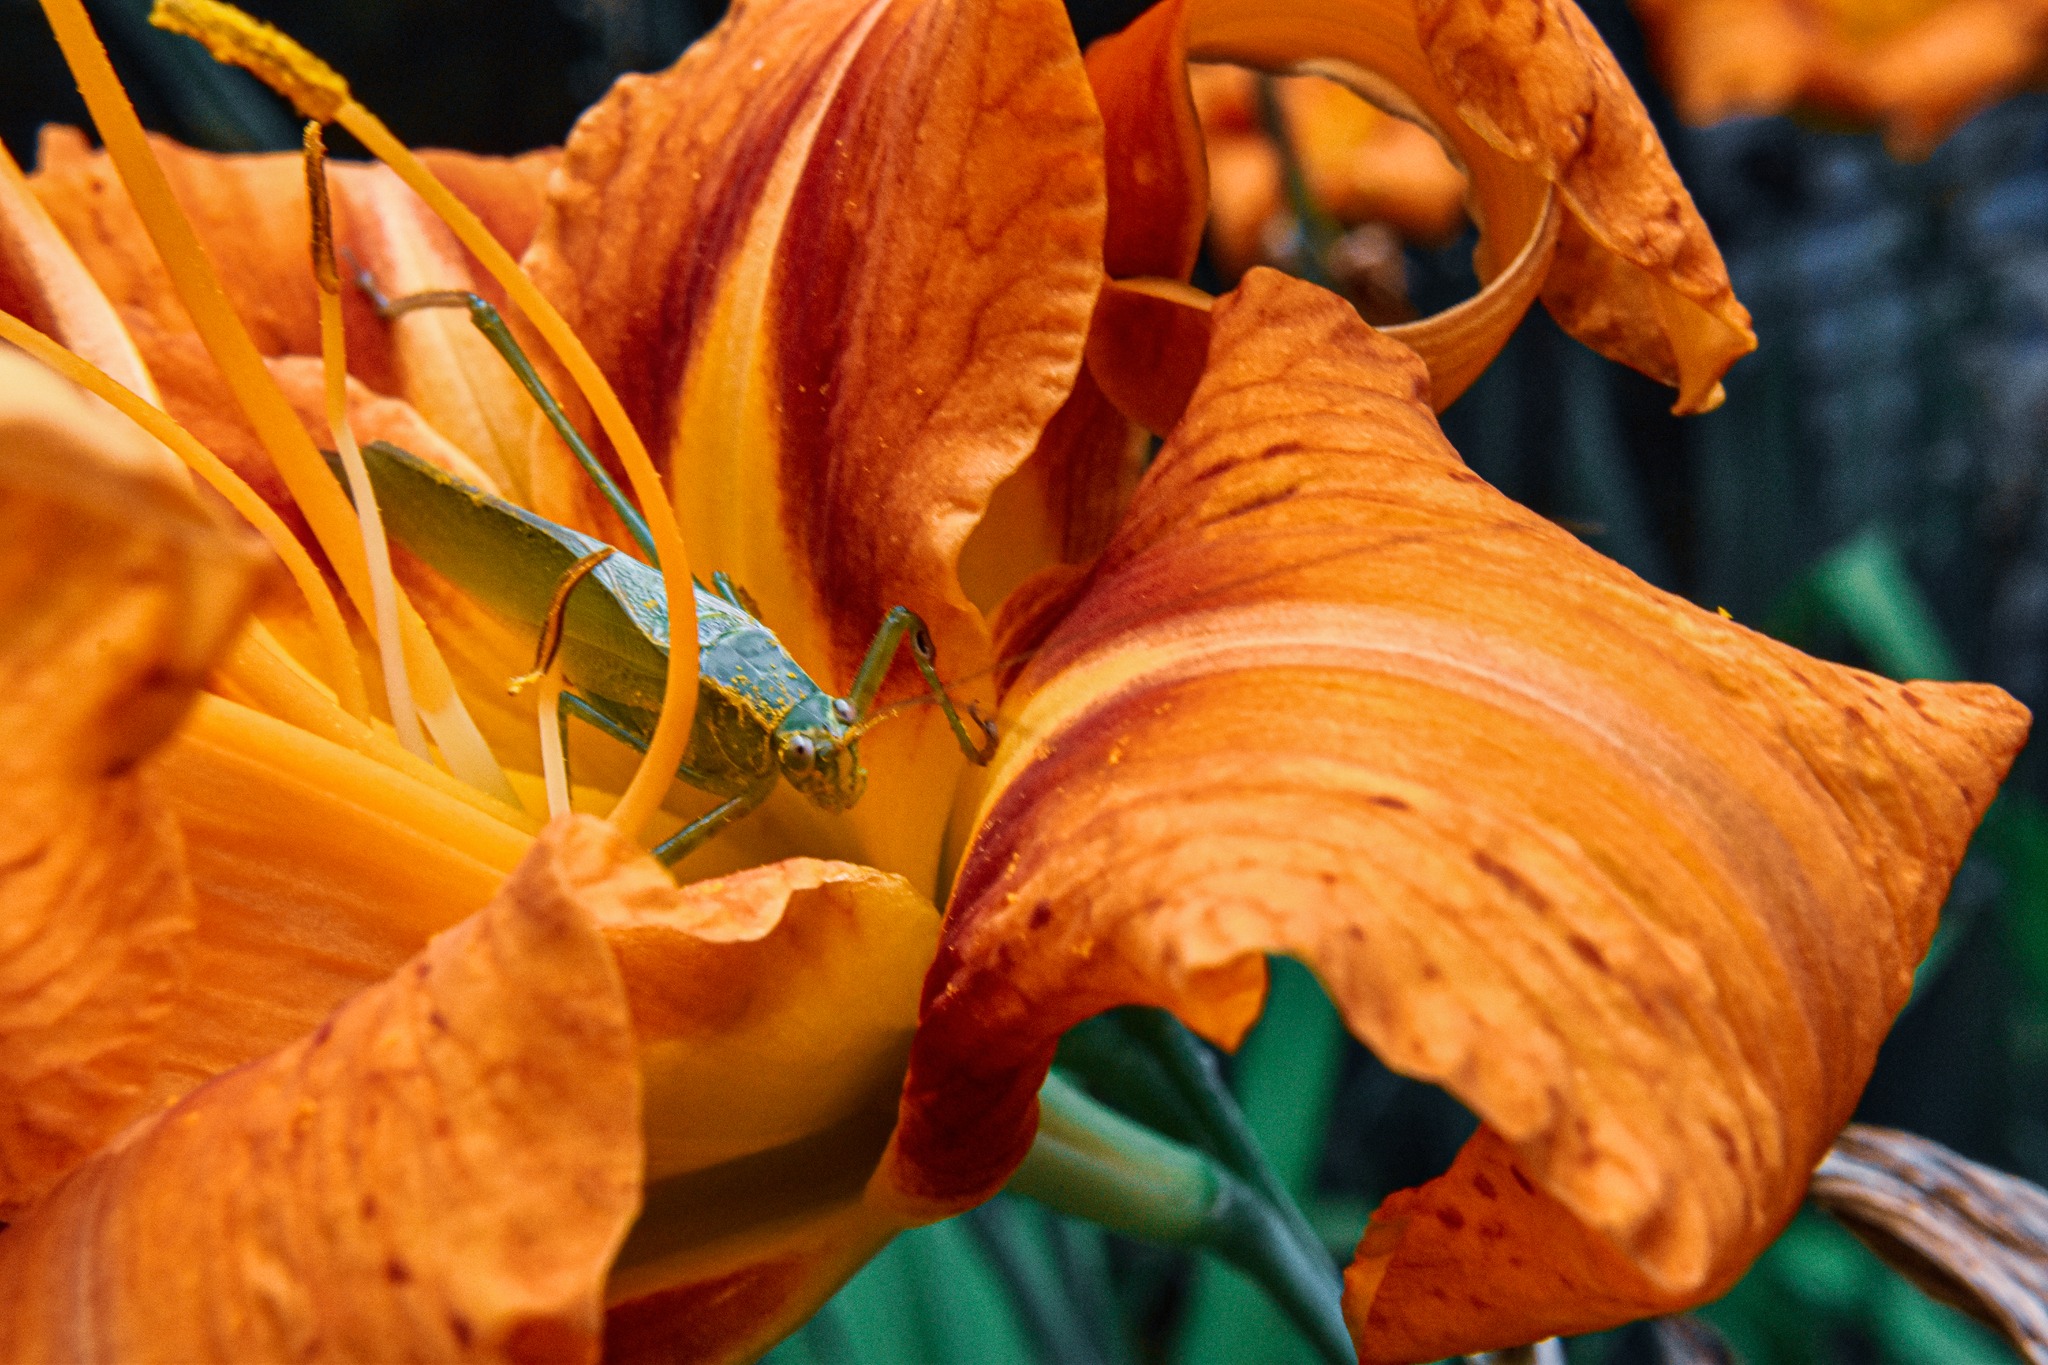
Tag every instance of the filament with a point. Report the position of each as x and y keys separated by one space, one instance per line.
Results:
x=554 y=764
x=334 y=367
x=344 y=669
x=320 y=94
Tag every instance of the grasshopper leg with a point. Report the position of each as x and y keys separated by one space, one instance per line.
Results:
x=491 y=323
x=899 y=625
x=692 y=836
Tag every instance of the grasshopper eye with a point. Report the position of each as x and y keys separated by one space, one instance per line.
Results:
x=800 y=752
x=843 y=710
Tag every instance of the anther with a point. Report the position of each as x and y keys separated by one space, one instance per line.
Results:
x=321 y=208
x=314 y=88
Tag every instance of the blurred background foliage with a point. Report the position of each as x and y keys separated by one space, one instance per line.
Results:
x=1872 y=490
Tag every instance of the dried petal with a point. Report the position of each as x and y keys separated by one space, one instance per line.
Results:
x=1970 y=1236
x=117 y=592
x=441 y=1171
x=1641 y=888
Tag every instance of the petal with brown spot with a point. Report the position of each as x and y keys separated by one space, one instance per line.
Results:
x=443 y=1170
x=1641 y=888
x=117 y=592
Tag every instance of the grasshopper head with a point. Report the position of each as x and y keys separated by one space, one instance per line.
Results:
x=815 y=750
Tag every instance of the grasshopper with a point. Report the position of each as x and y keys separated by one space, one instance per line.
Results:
x=760 y=718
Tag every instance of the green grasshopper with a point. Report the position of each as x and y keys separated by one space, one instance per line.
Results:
x=760 y=718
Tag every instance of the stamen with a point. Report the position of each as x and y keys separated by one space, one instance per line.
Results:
x=344 y=669
x=327 y=512
x=334 y=365
x=315 y=89
x=296 y=74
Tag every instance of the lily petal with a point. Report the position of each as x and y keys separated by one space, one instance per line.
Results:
x=1641 y=888
x=443 y=366
x=43 y=282
x=442 y=1170
x=774 y=1009
x=1525 y=95
x=839 y=262
x=317 y=871
x=117 y=592
x=1917 y=71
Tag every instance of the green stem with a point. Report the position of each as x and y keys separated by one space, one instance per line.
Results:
x=1318 y=230
x=1223 y=1129
x=1093 y=1163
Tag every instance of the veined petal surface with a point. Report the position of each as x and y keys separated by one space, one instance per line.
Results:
x=117 y=592
x=442 y=1171
x=1525 y=95
x=1641 y=888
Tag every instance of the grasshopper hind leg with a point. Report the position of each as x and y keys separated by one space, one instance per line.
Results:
x=694 y=835
x=698 y=832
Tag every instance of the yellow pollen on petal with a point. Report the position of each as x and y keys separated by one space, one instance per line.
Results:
x=344 y=669
x=405 y=716
x=232 y=36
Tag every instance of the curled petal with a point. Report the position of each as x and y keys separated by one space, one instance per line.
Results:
x=117 y=592
x=774 y=1010
x=442 y=1170
x=839 y=262
x=1641 y=888
x=771 y=1004
x=1525 y=95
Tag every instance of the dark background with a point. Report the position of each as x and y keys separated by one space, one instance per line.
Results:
x=1899 y=390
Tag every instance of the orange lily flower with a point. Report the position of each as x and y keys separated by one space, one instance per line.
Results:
x=1641 y=888
x=1917 y=69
